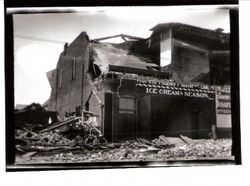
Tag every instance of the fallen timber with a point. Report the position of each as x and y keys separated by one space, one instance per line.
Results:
x=60 y=124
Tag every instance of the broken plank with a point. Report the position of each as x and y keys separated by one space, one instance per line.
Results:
x=90 y=113
x=146 y=141
x=60 y=124
x=163 y=138
x=29 y=154
x=186 y=139
x=149 y=150
x=175 y=141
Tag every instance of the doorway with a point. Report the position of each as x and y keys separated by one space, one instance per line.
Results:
x=127 y=117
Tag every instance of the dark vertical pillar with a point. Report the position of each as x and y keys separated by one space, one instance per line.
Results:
x=107 y=125
x=235 y=91
x=102 y=119
x=9 y=91
x=82 y=81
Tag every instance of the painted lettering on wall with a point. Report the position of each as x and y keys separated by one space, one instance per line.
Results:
x=223 y=100
x=168 y=88
x=170 y=83
x=176 y=93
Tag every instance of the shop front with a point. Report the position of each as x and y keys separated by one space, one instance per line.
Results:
x=149 y=108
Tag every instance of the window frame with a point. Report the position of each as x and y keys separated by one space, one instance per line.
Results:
x=122 y=110
x=60 y=77
x=73 y=75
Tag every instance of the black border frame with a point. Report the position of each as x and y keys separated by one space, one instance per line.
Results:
x=73 y=3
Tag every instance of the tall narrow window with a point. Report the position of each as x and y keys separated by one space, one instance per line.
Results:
x=60 y=78
x=74 y=69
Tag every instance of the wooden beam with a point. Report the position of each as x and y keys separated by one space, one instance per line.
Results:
x=109 y=37
x=123 y=36
x=131 y=37
x=189 y=46
x=60 y=124
x=90 y=113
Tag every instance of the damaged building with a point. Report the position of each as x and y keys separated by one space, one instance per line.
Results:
x=176 y=82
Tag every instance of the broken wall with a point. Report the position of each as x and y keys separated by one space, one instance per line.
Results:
x=220 y=67
x=96 y=107
x=52 y=77
x=69 y=90
x=188 y=63
x=72 y=82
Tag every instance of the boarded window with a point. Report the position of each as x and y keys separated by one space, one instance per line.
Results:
x=127 y=105
x=74 y=69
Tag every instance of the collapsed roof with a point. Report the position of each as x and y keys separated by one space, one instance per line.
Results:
x=105 y=54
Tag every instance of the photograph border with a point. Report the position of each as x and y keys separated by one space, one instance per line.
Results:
x=9 y=86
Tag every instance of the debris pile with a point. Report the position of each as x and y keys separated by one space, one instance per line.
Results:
x=60 y=137
x=34 y=117
x=75 y=133
x=76 y=127
x=78 y=139
x=30 y=138
x=53 y=146
x=200 y=149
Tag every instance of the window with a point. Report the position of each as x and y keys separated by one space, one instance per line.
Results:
x=127 y=105
x=60 y=78
x=74 y=69
x=166 y=51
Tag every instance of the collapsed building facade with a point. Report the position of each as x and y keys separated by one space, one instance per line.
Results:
x=176 y=82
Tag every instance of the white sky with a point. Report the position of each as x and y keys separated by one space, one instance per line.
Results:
x=39 y=38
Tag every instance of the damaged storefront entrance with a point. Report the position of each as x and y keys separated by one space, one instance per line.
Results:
x=150 y=116
x=170 y=109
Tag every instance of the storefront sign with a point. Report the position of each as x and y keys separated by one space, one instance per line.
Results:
x=223 y=100
x=174 y=89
